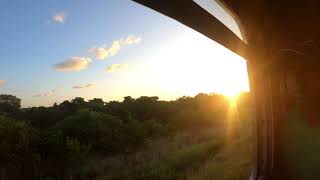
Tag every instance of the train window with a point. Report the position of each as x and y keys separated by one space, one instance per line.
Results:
x=109 y=89
x=218 y=11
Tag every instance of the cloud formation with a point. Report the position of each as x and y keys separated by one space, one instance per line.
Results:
x=73 y=64
x=89 y=85
x=104 y=52
x=46 y=94
x=116 y=67
x=59 y=17
x=2 y=82
x=131 y=39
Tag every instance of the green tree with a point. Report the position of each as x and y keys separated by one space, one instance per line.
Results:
x=18 y=151
x=9 y=104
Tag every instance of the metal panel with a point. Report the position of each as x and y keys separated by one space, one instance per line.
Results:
x=193 y=16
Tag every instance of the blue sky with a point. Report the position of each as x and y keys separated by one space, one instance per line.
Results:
x=52 y=50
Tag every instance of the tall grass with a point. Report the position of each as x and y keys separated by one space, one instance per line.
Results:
x=175 y=164
x=207 y=153
x=233 y=162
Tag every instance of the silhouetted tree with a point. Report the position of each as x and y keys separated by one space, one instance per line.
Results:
x=9 y=104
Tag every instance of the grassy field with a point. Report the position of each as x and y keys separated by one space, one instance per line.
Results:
x=233 y=161
x=195 y=154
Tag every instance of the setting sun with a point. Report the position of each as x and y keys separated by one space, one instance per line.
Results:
x=233 y=98
x=193 y=64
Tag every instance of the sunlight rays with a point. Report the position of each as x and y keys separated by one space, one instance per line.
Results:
x=194 y=64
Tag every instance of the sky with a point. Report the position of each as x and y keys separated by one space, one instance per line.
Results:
x=56 y=50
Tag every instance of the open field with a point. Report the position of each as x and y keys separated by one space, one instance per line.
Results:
x=202 y=154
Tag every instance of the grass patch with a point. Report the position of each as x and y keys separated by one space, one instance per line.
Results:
x=203 y=154
x=233 y=162
x=175 y=164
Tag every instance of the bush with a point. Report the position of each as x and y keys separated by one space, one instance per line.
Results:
x=17 y=148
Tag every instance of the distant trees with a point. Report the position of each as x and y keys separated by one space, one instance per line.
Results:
x=56 y=142
x=96 y=104
x=9 y=104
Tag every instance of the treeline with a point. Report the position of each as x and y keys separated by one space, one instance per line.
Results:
x=56 y=142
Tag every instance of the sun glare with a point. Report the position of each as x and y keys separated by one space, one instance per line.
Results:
x=233 y=98
x=190 y=64
x=195 y=64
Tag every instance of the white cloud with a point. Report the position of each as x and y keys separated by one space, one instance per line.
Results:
x=116 y=67
x=46 y=94
x=131 y=39
x=2 y=82
x=104 y=52
x=73 y=64
x=89 y=85
x=59 y=17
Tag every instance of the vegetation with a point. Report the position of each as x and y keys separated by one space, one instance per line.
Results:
x=143 y=138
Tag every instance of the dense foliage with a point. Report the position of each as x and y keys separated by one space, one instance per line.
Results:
x=55 y=142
